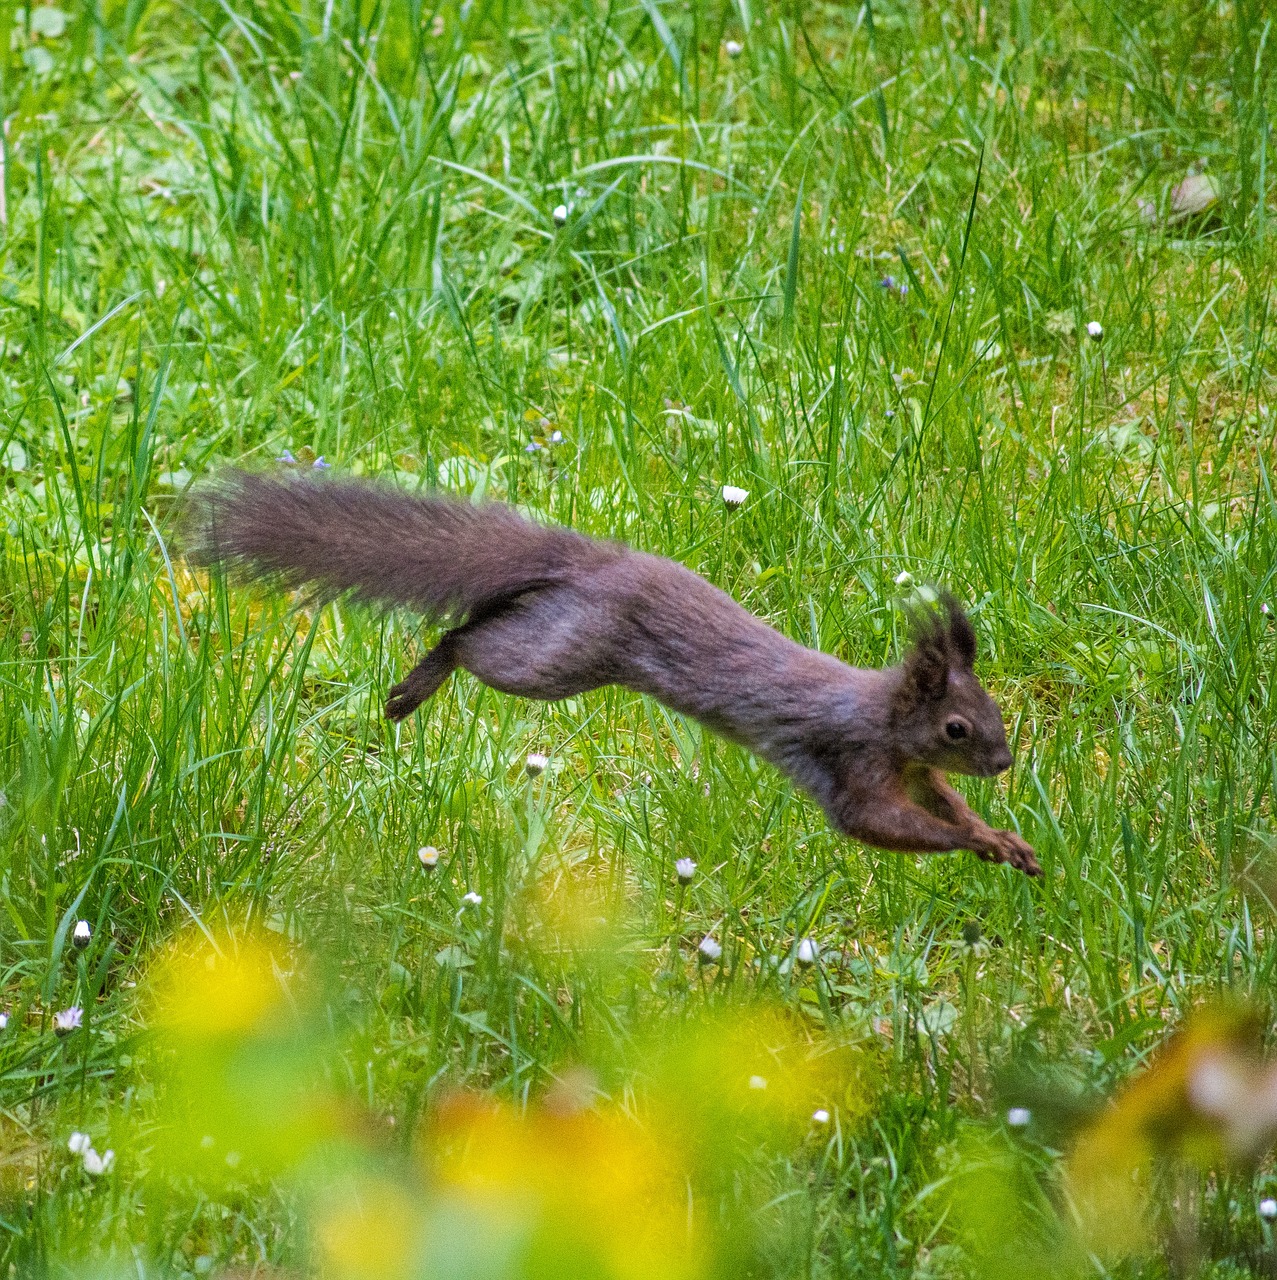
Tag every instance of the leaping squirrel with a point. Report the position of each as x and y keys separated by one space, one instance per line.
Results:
x=547 y=613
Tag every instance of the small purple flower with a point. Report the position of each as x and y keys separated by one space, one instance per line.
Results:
x=320 y=465
x=887 y=282
x=67 y=1020
x=904 y=288
x=533 y=446
x=287 y=458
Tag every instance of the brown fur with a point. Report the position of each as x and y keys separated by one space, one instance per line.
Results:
x=547 y=613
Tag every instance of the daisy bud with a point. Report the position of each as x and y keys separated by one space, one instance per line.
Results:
x=560 y=215
x=733 y=48
x=685 y=869
x=81 y=934
x=733 y=496
x=472 y=899
x=904 y=579
x=536 y=764
x=1095 y=330
x=1268 y=1209
x=1019 y=1117
x=710 y=951
x=808 y=951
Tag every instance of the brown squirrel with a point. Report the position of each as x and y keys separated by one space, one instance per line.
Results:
x=548 y=613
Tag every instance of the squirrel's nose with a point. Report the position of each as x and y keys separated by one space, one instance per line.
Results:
x=1002 y=760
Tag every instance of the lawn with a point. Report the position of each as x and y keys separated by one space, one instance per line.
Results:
x=975 y=295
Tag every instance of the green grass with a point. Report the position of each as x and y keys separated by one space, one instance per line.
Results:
x=236 y=228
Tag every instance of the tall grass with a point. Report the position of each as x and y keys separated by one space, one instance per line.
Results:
x=849 y=269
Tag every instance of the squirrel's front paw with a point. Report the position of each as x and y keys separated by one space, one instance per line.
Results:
x=1006 y=846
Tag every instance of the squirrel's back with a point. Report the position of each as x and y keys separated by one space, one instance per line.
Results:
x=437 y=555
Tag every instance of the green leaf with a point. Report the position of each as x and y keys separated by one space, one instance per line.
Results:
x=791 y=271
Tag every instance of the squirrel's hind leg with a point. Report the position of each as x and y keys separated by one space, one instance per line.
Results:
x=424 y=679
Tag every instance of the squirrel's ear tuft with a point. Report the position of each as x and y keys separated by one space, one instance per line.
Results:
x=961 y=632
x=926 y=665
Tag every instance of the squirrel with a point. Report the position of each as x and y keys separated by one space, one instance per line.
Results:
x=545 y=612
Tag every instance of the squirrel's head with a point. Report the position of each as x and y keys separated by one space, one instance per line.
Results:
x=943 y=716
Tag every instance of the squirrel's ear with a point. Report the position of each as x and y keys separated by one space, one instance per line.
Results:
x=926 y=667
x=961 y=633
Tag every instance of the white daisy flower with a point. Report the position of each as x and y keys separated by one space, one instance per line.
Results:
x=734 y=496
x=1019 y=1117
x=473 y=899
x=1095 y=330
x=560 y=215
x=710 y=950
x=96 y=1164
x=685 y=869
x=1268 y=1209
x=536 y=763
x=78 y=1143
x=808 y=951
x=820 y=1116
x=428 y=856
x=733 y=48
x=904 y=579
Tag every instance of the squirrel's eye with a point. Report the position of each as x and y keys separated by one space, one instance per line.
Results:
x=955 y=730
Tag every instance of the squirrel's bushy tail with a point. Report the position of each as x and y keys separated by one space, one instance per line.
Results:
x=439 y=556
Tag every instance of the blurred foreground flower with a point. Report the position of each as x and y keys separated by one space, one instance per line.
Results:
x=239 y=1058
x=562 y=1189
x=1207 y=1098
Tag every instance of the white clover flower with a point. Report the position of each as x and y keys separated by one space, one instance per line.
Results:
x=1268 y=1209
x=734 y=496
x=1019 y=1117
x=710 y=951
x=96 y=1164
x=536 y=763
x=1095 y=330
x=82 y=934
x=820 y=1116
x=428 y=856
x=67 y=1020
x=685 y=869
x=78 y=1143
x=757 y=1082
x=808 y=951
x=733 y=48
x=904 y=579
x=560 y=215
x=473 y=899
